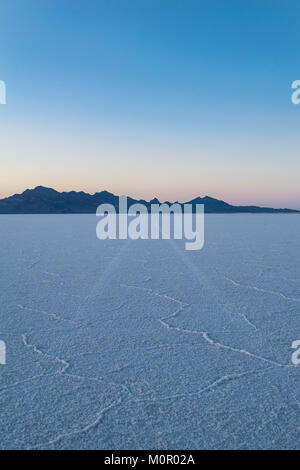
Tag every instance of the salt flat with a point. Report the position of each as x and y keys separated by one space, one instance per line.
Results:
x=123 y=344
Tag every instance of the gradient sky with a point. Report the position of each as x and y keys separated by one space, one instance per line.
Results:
x=167 y=98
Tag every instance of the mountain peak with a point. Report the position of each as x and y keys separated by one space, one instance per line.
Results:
x=42 y=189
x=154 y=201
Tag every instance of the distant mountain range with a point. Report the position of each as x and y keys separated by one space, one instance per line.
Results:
x=41 y=200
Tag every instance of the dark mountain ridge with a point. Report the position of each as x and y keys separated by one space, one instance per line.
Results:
x=41 y=200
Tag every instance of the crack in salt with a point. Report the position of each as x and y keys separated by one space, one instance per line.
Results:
x=99 y=415
x=51 y=315
x=265 y=291
x=64 y=363
x=204 y=334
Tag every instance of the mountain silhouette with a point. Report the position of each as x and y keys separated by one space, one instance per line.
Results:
x=41 y=200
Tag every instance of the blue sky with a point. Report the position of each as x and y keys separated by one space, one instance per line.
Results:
x=172 y=98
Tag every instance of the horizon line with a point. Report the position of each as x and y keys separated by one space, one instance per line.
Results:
x=145 y=200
